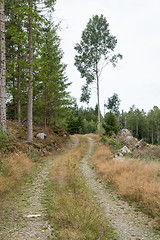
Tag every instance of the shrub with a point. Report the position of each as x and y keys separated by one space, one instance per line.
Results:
x=5 y=141
x=112 y=142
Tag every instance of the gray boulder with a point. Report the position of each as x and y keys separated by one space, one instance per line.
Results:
x=126 y=136
x=41 y=136
x=125 y=150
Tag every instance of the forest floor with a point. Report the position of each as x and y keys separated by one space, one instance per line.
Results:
x=64 y=198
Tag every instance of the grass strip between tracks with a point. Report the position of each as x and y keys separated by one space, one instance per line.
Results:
x=71 y=211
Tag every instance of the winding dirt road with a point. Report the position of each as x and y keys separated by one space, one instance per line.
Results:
x=24 y=217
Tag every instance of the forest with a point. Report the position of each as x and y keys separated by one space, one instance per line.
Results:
x=34 y=85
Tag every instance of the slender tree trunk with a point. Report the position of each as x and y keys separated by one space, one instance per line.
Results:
x=152 y=136
x=3 y=69
x=158 y=135
x=30 y=86
x=19 y=91
x=45 y=107
x=98 y=102
x=19 y=72
x=137 y=130
x=99 y=117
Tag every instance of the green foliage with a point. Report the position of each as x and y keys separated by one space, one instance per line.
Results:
x=143 y=125
x=110 y=124
x=51 y=98
x=112 y=142
x=81 y=120
x=95 y=51
x=113 y=103
x=1 y=166
x=5 y=141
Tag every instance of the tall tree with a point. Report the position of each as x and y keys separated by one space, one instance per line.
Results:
x=50 y=97
x=3 y=68
x=16 y=54
x=95 y=51
x=30 y=85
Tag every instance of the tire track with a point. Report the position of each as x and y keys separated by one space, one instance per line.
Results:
x=129 y=224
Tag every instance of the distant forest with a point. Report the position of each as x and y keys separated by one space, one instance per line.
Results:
x=143 y=125
x=34 y=85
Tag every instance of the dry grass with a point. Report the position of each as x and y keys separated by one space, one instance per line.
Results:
x=135 y=180
x=15 y=168
x=71 y=210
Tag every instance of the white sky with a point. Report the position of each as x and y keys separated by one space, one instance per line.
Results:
x=136 y=24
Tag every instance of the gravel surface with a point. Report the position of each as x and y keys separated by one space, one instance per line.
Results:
x=24 y=214
x=129 y=224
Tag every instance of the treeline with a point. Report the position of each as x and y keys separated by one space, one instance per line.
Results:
x=143 y=125
x=82 y=121
x=36 y=84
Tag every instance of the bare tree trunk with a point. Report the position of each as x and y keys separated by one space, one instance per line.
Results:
x=98 y=102
x=137 y=130
x=152 y=136
x=19 y=72
x=19 y=93
x=30 y=86
x=158 y=135
x=3 y=69
x=45 y=107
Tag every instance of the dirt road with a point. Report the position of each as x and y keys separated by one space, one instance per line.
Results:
x=129 y=224
x=24 y=217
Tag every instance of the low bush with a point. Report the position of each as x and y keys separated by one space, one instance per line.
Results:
x=6 y=141
x=114 y=144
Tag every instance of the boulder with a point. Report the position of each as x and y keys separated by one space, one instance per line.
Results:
x=126 y=136
x=125 y=150
x=41 y=136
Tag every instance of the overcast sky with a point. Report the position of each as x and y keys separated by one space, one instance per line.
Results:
x=136 y=24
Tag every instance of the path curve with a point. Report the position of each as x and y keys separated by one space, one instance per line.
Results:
x=129 y=224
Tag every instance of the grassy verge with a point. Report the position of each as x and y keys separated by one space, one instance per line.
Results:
x=136 y=181
x=71 y=211
x=14 y=169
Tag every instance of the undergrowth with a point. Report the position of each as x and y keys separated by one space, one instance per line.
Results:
x=6 y=141
x=114 y=144
x=71 y=210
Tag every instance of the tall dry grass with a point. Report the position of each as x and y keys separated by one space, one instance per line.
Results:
x=70 y=208
x=135 y=180
x=15 y=168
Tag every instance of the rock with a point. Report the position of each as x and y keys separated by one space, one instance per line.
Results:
x=125 y=150
x=118 y=154
x=125 y=133
x=41 y=136
x=126 y=136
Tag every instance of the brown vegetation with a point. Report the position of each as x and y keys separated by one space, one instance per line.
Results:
x=15 y=167
x=17 y=157
x=137 y=181
x=71 y=210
